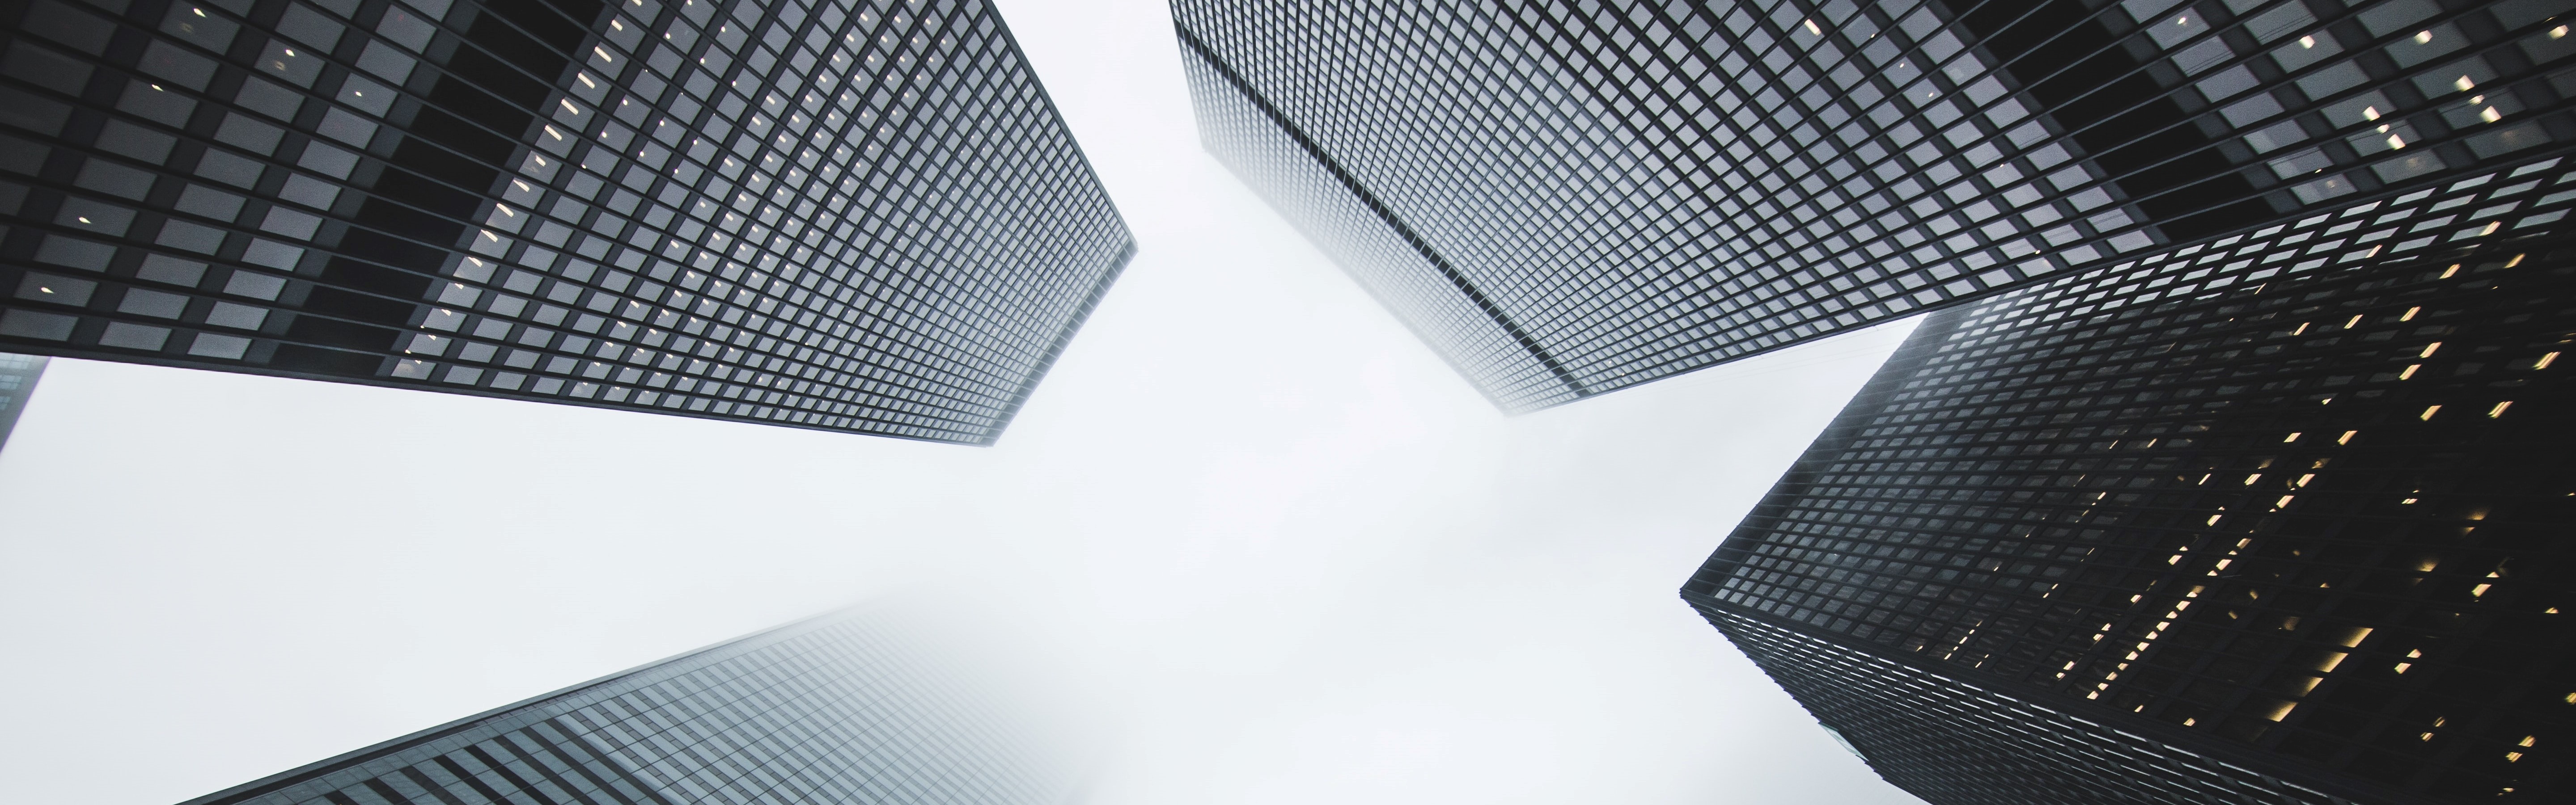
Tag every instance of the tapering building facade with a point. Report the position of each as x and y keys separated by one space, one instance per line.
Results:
x=1565 y=198
x=835 y=214
x=2279 y=519
x=843 y=708
x=18 y=375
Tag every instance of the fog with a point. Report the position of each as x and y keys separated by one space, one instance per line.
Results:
x=1283 y=550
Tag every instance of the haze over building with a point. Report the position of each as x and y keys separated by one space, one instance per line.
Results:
x=840 y=708
x=835 y=215
x=1567 y=198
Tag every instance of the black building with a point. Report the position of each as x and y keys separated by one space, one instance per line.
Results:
x=827 y=214
x=2284 y=518
x=1569 y=197
x=18 y=374
x=844 y=708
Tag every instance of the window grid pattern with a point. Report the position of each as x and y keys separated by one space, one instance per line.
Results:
x=1647 y=190
x=1954 y=742
x=832 y=215
x=2176 y=104
x=841 y=710
x=1472 y=339
x=2305 y=507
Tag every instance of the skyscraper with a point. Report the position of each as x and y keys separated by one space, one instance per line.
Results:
x=832 y=214
x=2282 y=518
x=841 y=708
x=18 y=374
x=1565 y=198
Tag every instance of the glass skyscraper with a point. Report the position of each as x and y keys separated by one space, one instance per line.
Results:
x=834 y=214
x=18 y=374
x=1565 y=198
x=843 y=708
x=2281 y=518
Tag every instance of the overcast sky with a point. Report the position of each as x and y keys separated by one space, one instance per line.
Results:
x=1310 y=562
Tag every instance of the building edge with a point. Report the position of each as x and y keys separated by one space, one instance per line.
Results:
x=1377 y=207
x=1064 y=338
x=2322 y=781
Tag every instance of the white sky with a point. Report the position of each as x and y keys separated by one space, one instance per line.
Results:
x=1313 y=564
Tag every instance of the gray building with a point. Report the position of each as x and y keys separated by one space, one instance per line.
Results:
x=2281 y=519
x=18 y=375
x=832 y=214
x=841 y=708
x=1565 y=198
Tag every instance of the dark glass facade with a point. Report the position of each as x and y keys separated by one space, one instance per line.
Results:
x=1949 y=740
x=2286 y=513
x=18 y=374
x=830 y=214
x=1565 y=198
x=840 y=709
